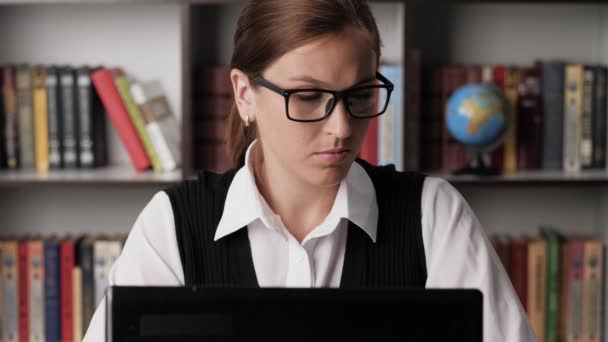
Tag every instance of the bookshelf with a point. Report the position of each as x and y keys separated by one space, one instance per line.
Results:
x=518 y=33
x=169 y=39
x=150 y=39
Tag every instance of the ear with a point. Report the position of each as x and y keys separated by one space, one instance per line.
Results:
x=243 y=94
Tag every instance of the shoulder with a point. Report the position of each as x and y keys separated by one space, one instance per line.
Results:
x=203 y=183
x=156 y=220
x=445 y=212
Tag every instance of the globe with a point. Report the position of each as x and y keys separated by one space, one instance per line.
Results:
x=477 y=116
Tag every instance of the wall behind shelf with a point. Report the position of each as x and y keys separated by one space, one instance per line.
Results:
x=515 y=33
x=213 y=28
x=142 y=39
x=54 y=209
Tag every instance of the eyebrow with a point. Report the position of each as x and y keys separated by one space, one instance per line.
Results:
x=321 y=83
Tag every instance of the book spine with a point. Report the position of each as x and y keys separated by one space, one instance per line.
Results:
x=86 y=265
x=122 y=84
x=10 y=278
x=575 y=295
x=586 y=144
x=52 y=289
x=553 y=265
x=24 y=306
x=70 y=118
x=411 y=134
x=573 y=108
x=100 y=277
x=498 y=155
x=592 y=291
x=553 y=111
x=529 y=130
x=110 y=97
x=519 y=270
x=160 y=123
x=41 y=123
x=25 y=116
x=77 y=304
x=10 y=111
x=66 y=294
x=99 y=128
x=85 y=118
x=55 y=118
x=537 y=286
x=36 y=290
x=599 y=118
x=510 y=142
x=564 y=293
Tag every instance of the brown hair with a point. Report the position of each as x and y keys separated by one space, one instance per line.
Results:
x=268 y=29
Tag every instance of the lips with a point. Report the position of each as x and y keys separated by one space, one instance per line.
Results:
x=335 y=150
x=334 y=156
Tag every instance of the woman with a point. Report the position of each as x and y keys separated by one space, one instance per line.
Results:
x=299 y=210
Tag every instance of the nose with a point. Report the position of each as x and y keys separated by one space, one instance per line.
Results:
x=338 y=123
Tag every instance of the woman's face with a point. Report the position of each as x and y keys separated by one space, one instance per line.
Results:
x=301 y=148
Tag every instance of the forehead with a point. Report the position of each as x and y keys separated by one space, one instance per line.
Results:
x=338 y=60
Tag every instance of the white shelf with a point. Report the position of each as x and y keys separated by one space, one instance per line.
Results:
x=536 y=177
x=109 y=175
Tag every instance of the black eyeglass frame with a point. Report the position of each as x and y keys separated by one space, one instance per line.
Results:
x=337 y=95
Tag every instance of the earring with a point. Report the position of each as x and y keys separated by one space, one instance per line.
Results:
x=246 y=120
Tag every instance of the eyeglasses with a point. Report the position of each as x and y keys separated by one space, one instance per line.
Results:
x=311 y=105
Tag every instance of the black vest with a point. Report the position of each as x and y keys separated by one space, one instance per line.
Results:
x=396 y=259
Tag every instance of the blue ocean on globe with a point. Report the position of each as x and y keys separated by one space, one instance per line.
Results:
x=477 y=115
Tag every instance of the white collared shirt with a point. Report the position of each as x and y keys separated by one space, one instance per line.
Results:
x=458 y=252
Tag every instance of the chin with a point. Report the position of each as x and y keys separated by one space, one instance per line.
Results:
x=329 y=175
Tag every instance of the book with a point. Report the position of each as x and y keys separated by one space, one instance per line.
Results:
x=41 y=120
x=592 y=294
x=119 y=116
x=52 y=285
x=93 y=149
x=77 y=301
x=586 y=130
x=24 y=291
x=36 y=291
x=69 y=116
x=161 y=124
x=537 y=286
x=10 y=277
x=25 y=116
x=123 y=86
x=55 y=118
x=511 y=83
x=9 y=93
x=66 y=267
x=573 y=112
x=530 y=119
x=599 y=121
x=553 y=112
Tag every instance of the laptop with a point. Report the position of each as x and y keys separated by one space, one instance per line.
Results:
x=292 y=314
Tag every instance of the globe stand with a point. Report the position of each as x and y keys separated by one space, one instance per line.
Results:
x=477 y=167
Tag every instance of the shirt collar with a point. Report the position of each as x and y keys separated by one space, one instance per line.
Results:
x=355 y=201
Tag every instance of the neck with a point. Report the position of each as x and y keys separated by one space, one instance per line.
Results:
x=302 y=207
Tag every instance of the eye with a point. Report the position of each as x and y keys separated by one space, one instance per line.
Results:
x=307 y=96
x=362 y=95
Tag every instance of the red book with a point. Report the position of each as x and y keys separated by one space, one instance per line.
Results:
x=519 y=269
x=23 y=292
x=454 y=156
x=369 y=148
x=66 y=269
x=529 y=118
x=110 y=97
x=498 y=155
